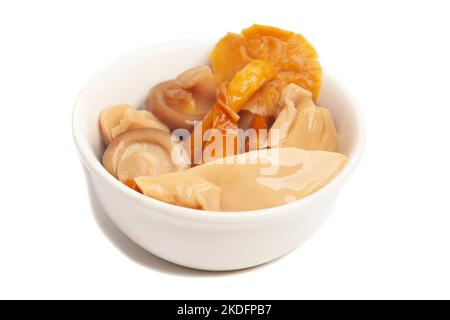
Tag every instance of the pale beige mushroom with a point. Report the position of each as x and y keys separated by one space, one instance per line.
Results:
x=248 y=181
x=181 y=188
x=120 y=118
x=280 y=128
x=180 y=102
x=302 y=124
x=142 y=152
x=110 y=118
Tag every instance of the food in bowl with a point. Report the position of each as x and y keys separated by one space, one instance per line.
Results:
x=242 y=133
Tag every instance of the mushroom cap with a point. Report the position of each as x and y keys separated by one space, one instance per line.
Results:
x=195 y=76
x=110 y=118
x=117 y=119
x=137 y=119
x=142 y=152
x=249 y=181
x=184 y=189
x=180 y=102
x=302 y=124
x=167 y=99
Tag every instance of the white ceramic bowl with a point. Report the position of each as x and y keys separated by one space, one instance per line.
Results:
x=192 y=238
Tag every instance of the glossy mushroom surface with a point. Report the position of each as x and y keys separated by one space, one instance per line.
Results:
x=142 y=152
x=249 y=181
x=302 y=124
x=180 y=102
x=184 y=189
x=120 y=118
x=110 y=118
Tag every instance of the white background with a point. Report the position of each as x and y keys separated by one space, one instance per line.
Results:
x=389 y=235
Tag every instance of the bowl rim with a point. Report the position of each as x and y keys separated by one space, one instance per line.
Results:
x=94 y=166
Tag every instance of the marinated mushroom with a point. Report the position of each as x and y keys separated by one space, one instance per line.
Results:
x=294 y=58
x=238 y=184
x=180 y=102
x=117 y=119
x=308 y=126
x=257 y=99
x=142 y=152
x=184 y=189
x=110 y=118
